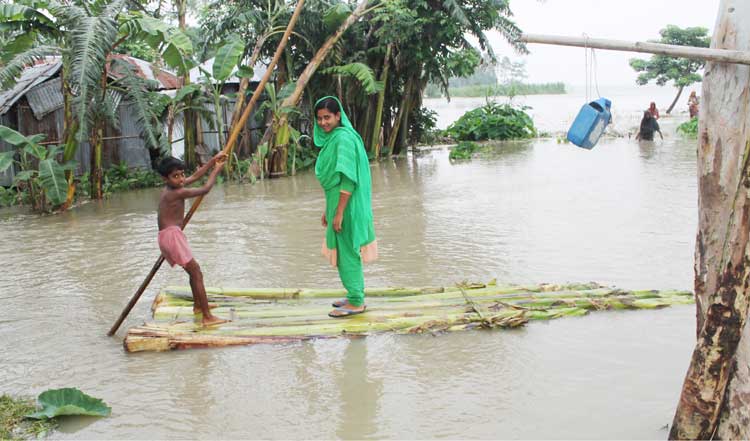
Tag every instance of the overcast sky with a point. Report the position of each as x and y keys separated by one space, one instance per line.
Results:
x=633 y=20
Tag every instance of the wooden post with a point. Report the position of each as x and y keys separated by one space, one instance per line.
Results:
x=715 y=399
x=697 y=53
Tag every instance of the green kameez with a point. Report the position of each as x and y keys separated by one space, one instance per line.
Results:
x=343 y=165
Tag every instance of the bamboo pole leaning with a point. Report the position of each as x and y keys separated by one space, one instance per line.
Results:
x=236 y=129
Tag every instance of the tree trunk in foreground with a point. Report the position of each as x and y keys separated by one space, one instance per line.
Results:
x=715 y=400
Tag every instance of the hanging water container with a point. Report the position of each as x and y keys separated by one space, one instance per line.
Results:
x=590 y=123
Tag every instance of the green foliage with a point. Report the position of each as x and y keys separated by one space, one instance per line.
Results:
x=689 y=128
x=227 y=58
x=681 y=71
x=361 y=72
x=493 y=121
x=40 y=171
x=13 y=422
x=120 y=178
x=68 y=401
x=422 y=126
x=464 y=150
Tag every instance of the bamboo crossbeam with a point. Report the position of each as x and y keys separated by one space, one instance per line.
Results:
x=695 y=53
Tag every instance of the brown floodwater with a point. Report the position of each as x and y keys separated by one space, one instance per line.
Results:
x=527 y=212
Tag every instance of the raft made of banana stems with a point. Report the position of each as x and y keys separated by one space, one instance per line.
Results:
x=268 y=315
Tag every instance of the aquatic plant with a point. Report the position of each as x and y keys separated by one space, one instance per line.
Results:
x=14 y=424
x=493 y=121
x=68 y=401
x=689 y=128
x=464 y=150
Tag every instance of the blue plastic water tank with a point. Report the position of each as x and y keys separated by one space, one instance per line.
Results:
x=590 y=123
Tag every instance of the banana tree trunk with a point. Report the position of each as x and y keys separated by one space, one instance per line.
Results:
x=715 y=399
x=402 y=110
x=375 y=142
x=70 y=127
x=188 y=117
x=95 y=175
x=312 y=66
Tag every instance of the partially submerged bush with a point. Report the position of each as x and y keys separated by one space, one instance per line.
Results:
x=464 y=150
x=689 y=128
x=493 y=121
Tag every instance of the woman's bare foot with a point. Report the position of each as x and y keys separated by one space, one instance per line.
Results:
x=212 y=320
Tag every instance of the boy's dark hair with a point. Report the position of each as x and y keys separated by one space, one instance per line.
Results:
x=168 y=165
x=329 y=104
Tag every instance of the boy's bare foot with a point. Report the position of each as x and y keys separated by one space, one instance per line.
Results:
x=212 y=320
x=197 y=311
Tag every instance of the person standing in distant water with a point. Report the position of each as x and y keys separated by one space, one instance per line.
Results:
x=693 y=104
x=648 y=127
x=343 y=170
x=653 y=110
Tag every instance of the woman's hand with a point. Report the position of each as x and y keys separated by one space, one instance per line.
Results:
x=323 y=220
x=337 y=221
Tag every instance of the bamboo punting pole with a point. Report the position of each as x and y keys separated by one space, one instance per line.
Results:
x=236 y=129
x=696 y=53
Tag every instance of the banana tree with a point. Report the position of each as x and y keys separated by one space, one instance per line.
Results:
x=40 y=172
x=282 y=129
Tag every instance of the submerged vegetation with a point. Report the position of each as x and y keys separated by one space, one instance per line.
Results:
x=14 y=424
x=20 y=418
x=464 y=150
x=689 y=128
x=493 y=121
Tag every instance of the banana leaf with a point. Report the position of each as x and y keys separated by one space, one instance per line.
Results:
x=69 y=401
x=53 y=180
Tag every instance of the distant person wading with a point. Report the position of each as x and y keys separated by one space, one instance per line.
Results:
x=343 y=171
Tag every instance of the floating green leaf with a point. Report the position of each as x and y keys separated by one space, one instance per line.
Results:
x=69 y=401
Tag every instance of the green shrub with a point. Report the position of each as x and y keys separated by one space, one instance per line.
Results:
x=422 y=123
x=493 y=121
x=689 y=128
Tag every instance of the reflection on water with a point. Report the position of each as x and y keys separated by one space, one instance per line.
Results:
x=536 y=211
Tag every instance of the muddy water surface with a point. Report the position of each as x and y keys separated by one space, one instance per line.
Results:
x=623 y=213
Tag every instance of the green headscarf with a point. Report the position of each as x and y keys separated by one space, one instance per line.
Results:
x=343 y=152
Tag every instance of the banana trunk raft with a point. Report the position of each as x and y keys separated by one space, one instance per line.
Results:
x=267 y=315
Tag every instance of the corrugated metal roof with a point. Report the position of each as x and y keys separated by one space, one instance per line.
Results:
x=30 y=77
x=45 y=98
x=258 y=71
x=144 y=69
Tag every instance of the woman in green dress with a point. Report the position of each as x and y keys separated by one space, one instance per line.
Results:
x=343 y=171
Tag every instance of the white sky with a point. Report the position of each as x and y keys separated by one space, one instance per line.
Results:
x=633 y=20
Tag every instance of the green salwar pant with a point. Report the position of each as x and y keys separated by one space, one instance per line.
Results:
x=350 y=269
